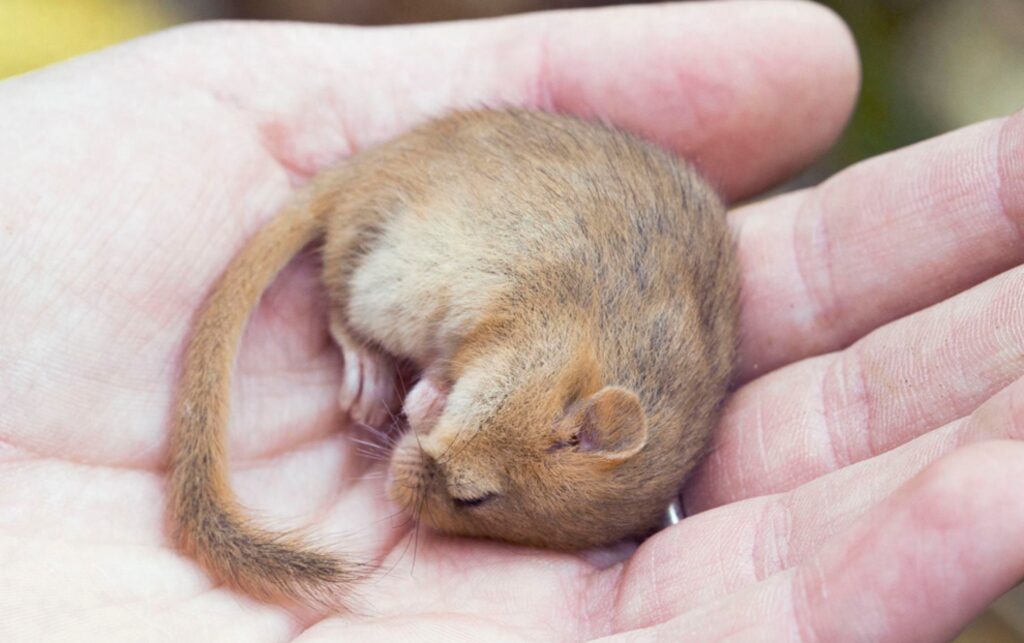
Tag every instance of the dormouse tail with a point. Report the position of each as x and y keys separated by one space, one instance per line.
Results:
x=206 y=516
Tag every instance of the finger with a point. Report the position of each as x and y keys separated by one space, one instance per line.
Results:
x=902 y=380
x=883 y=239
x=732 y=547
x=911 y=568
x=750 y=90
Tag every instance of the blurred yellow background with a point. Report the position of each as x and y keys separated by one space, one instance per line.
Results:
x=34 y=33
x=929 y=66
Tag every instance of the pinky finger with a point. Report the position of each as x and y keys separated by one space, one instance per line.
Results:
x=918 y=567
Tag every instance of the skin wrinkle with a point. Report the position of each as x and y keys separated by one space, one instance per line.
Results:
x=462 y=619
x=846 y=404
x=729 y=579
x=308 y=522
x=759 y=432
x=29 y=547
x=262 y=133
x=711 y=98
x=561 y=602
x=313 y=443
x=653 y=595
x=543 y=94
x=343 y=126
x=642 y=578
x=1010 y=171
x=998 y=418
x=74 y=379
x=67 y=458
x=962 y=189
x=1015 y=406
x=147 y=620
x=279 y=309
x=717 y=462
x=223 y=231
x=575 y=604
x=942 y=353
x=74 y=293
x=74 y=505
x=35 y=537
x=37 y=267
x=281 y=137
x=318 y=369
x=304 y=430
x=12 y=453
x=738 y=227
x=773 y=531
x=295 y=626
x=623 y=571
x=813 y=250
x=164 y=290
x=801 y=603
x=598 y=597
x=962 y=374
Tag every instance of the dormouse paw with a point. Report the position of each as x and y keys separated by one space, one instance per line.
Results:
x=424 y=404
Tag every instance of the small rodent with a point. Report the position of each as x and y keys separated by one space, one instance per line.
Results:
x=569 y=294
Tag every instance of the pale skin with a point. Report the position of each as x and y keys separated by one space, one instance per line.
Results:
x=867 y=489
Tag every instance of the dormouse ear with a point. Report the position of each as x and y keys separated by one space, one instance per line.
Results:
x=611 y=424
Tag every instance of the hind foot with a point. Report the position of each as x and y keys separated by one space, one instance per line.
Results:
x=369 y=390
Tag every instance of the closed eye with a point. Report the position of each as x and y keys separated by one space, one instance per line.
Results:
x=465 y=503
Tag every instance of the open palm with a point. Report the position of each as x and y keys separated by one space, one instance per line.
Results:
x=881 y=330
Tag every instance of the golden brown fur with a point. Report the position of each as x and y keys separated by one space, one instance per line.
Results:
x=570 y=289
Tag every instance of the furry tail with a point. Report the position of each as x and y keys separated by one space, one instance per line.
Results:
x=207 y=519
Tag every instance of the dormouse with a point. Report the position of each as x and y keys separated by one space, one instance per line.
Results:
x=567 y=293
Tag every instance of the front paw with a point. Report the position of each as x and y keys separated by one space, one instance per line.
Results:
x=424 y=404
x=369 y=389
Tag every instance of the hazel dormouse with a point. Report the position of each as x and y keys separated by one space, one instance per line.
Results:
x=567 y=293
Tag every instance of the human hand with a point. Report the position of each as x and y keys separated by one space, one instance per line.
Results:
x=134 y=175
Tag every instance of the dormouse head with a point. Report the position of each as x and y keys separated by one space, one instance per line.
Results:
x=558 y=459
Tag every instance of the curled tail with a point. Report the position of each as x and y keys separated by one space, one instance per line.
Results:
x=207 y=518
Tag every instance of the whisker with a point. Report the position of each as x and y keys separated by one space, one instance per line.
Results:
x=416 y=529
x=373 y=455
x=384 y=437
x=442 y=459
x=408 y=519
x=408 y=540
x=396 y=419
x=366 y=443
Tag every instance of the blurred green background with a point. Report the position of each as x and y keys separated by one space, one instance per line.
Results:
x=929 y=66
